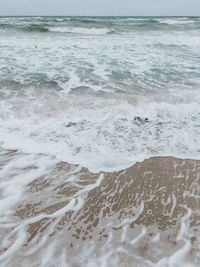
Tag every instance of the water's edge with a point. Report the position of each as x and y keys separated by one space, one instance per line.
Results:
x=64 y=215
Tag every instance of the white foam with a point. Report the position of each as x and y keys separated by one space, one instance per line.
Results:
x=103 y=136
x=176 y=21
x=135 y=240
x=78 y=30
x=156 y=238
x=76 y=97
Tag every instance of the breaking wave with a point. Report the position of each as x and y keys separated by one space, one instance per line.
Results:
x=79 y=30
x=35 y=28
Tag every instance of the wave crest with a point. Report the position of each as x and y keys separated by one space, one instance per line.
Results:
x=35 y=28
x=79 y=30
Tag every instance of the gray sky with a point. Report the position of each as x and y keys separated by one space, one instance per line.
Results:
x=100 y=7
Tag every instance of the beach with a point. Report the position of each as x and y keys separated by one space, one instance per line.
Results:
x=99 y=141
x=147 y=214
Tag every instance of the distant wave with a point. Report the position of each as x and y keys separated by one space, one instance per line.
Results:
x=85 y=20
x=175 y=21
x=79 y=30
x=88 y=20
x=35 y=28
x=97 y=25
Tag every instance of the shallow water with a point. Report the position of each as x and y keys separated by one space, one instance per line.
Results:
x=56 y=214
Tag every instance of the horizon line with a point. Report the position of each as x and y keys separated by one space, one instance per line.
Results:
x=99 y=15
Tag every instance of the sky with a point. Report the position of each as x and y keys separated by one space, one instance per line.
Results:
x=100 y=7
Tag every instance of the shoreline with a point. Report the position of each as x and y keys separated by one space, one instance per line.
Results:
x=144 y=215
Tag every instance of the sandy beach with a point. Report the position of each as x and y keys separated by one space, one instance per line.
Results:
x=143 y=216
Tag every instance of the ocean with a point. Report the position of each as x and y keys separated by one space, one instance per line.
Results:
x=92 y=109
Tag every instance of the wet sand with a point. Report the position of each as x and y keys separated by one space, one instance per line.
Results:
x=147 y=215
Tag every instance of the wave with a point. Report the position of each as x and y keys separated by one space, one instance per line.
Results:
x=26 y=28
x=145 y=126
x=97 y=25
x=35 y=28
x=86 y=21
x=175 y=21
x=79 y=30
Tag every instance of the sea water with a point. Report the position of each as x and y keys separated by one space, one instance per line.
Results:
x=80 y=88
x=96 y=92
